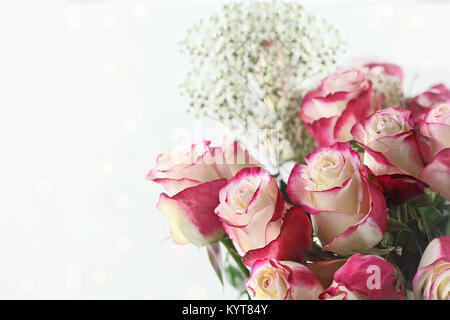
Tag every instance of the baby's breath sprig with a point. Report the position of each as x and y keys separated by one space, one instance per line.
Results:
x=253 y=62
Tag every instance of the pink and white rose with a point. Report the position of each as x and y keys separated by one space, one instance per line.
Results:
x=330 y=111
x=435 y=131
x=420 y=104
x=432 y=280
x=283 y=280
x=389 y=142
x=192 y=179
x=348 y=212
x=434 y=142
x=364 y=277
x=251 y=208
x=391 y=152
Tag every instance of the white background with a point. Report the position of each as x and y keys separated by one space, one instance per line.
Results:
x=89 y=97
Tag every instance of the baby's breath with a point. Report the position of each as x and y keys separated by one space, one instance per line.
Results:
x=253 y=62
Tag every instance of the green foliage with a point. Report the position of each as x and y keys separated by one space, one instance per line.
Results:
x=412 y=226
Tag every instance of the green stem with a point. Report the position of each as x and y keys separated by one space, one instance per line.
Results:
x=236 y=257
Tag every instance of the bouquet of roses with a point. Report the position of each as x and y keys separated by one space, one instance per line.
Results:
x=364 y=211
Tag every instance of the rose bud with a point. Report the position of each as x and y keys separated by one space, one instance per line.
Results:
x=295 y=237
x=420 y=104
x=364 y=277
x=343 y=99
x=432 y=280
x=192 y=179
x=348 y=212
x=251 y=208
x=284 y=280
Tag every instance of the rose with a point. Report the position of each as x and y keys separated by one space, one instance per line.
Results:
x=435 y=131
x=348 y=212
x=343 y=99
x=434 y=142
x=390 y=143
x=251 y=208
x=419 y=104
x=391 y=152
x=284 y=280
x=192 y=179
x=432 y=280
x=391 y=146
x=364 y=277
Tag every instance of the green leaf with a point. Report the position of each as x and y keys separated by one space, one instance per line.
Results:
x=395 y=225
x=215 y=258
x=388 y=239
x=356 y=146
x=407 y=240
x=430 y=215
x=235 y=277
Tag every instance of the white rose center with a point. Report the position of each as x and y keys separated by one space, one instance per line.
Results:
x=386 y=125
x=243 y=193
x=326 y=171
x=272 y=284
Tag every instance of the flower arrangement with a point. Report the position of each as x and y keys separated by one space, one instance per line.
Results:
x=364 y=212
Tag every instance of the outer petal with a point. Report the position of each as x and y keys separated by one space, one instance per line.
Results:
x=173 y=186
x=295 y=237
x=357 y=110
x=371 y=276
x=366 y=233
x=434 y=259
x=191 y=213
x=437 y=249
x=323 y=130
x=437 y=174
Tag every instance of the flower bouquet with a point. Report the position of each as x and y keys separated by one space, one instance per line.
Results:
x=349 y=199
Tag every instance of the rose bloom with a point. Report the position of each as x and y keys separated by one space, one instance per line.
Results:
x=392 y=147
x=391 y=152
x=348 y=211
x=330 y=111
x=364 y=277
x=251 y=208
x=432 y=280
x=192 y=179
x=420 y=104
x=283 y=280
x=390 y=143
x=434 y=142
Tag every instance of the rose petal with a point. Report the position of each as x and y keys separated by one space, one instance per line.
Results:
x=191 y=213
